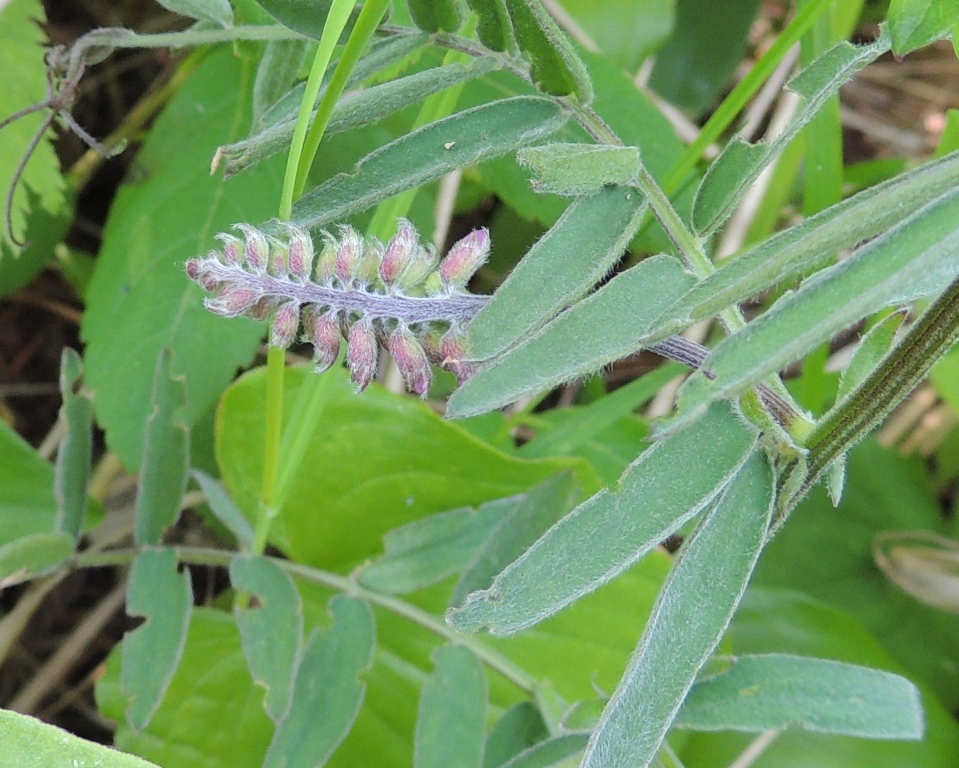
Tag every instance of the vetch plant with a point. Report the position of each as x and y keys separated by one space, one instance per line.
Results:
x=491 y=589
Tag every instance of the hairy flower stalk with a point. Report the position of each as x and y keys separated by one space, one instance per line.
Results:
x=400 y=296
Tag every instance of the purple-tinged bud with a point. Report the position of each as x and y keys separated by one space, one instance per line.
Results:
x=279 y=265
x=233 y=300
x=430 y=340
x=464 y=258
x=233 y=251
x=257 y=248
x=326 y=263
x=286 y=322
x=301 y=254
x=326 y=336
x=361 y=353
x=264 y=308
x=349 y=254
x=454 y=351
x=411 y=360
x=193 y=269
x=399 y=253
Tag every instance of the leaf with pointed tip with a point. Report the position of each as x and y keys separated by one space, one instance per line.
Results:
x=519 y=728
x=152 y=651
x=33 y=555
x=166 y=456
x=451 y=722
x=574 y=170
x=271 y=632
x=599 y=330
x=225 y=509
x=772 y=692
x=740 y=163
x=551 y=753
x=917 y=23
x=73 y=456
x=694 y=608
x=308 y=17
x=463 y=139
x=328 y=689
x=669 y=484
x=216 y=11
x=279 y=67
x=870 y=351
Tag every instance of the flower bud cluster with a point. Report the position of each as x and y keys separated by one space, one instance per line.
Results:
x=401 y=296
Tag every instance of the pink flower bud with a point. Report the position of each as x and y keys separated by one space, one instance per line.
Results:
x=301 y=254
x=454 y=351
x=234 y=300
x=257 y=248
x=464 y=258
x=399 y=253
x=361 y=353
x=349 y=254
x=325 y=335
x=285 y=324
x=233 y=250
x=411 y=360
x=430 y=341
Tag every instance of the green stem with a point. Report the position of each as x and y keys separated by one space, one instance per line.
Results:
x=435 y=624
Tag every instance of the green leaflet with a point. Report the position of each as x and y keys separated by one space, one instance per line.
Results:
x=278 y=70
x=451 y=722
x=917 y=23
x=873 y=347
x=152 y=651
x=493 y=25
x=308 y=17
x=457 y=141
x=436 y=15
x=519 y=728
x=774 y=691
x=225 y=509
x=30 y=743
x=608 y=325
x=574 y=170
x=740 y=163
x=33 y=555
x=272 y=632
x=216 y=11
x=328 y=690
x=663 y=489
x=692 y=613
x=549 y=753
x=73 y=456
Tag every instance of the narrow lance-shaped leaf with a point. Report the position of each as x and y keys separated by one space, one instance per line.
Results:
x=740 y=163
x=451 y=722
x=550 y=753
x=33 y=555
x=460 y=140
x=870 y=351
x=152 y=651
x=664 y=488
x=73 y=456
x=907 y=261
x=518 y=728
x=565 y=263
x=574 y=170
x=775 y=691
x=225 y=509
x=917 y=23
x=166 y=456
x=272 y=631
x=217 y=11
x=605 y=327
x=279 y=67
x=493 y=25
x=694 y=608
x=308 y=17
x=328 y=690
x=436 y=15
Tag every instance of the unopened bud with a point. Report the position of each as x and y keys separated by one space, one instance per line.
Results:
x=349 y=254
x=464 y=258
x=325 y=335
x=454 y=351
x=263 y=308
x=326 y=262
x=301 y=254
x=279 y=265
x=361 y=353
x=285 y=324
x=421 y=265
x=411 y=360
x=430 y=341
x=367 y=271
x=233 y=300
x=257 y=247
x=233 y=250
x=399 y=252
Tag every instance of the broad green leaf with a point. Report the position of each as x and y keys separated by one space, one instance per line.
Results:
x=550 y=753
x=166 y=456
x=278 y=70
x=356 y=109
x=916 y=23
x=695 y=607
x=434 y=548
x=26 y=742
x=663 y=489
x=437 y=15
x=33 y=555
x=308 y=17
x=27 y=501
x=599 y=330
x=910 y=260
x=426 y=154
x=582 y=246
x=870 y=351
x=772 y=692
x=575 y=170
x=541 y=508
x=626 y=31
x=152 y=651
x=225 y=509
x=272 y=632
x=700 y=57
x=140 y=300
x=328 y=690
x=519 y=728
x=380 y=461
x=740 y=163
x=73 y=456
x=451 y=724
x=217 y=11
x=556 y=68
x=493 y=24
x=41 y=190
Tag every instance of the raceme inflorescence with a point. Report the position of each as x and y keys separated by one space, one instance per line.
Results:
x=401 y=295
